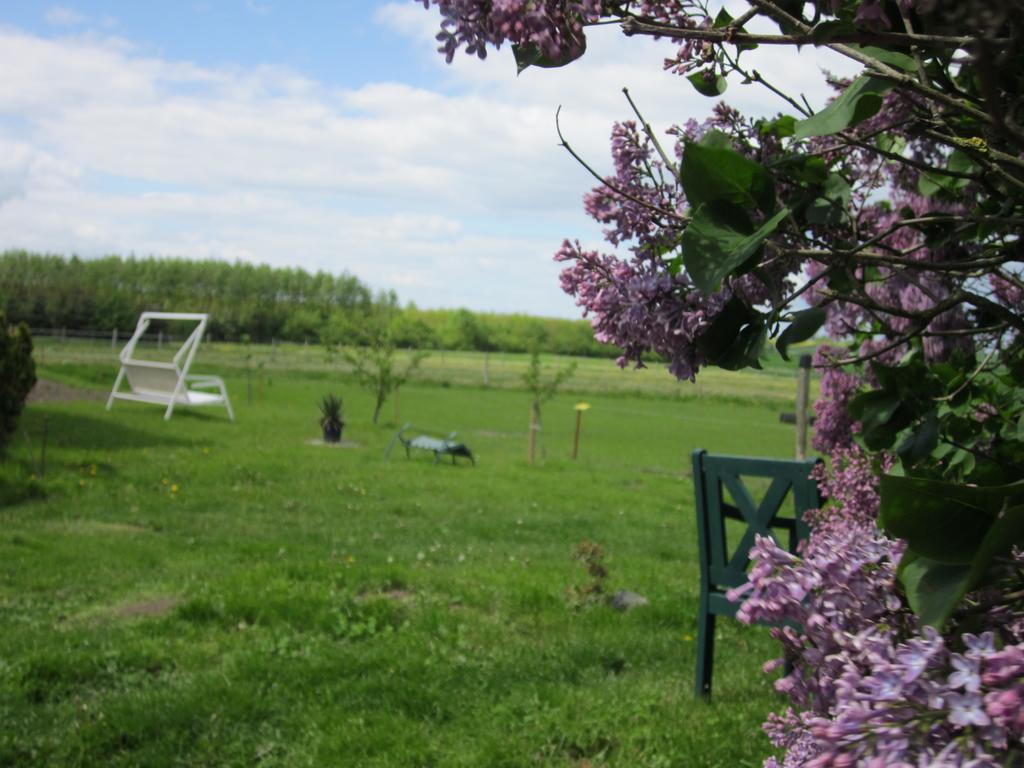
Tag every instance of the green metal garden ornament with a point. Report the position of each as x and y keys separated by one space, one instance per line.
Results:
x=446 y=447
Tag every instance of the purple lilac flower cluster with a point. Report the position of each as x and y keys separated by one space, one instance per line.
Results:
x=640 y=307
x=834 y=426
x=633 y=206
x=554 y=26
x=637 y=303
x=869 y=686
x=850 y=482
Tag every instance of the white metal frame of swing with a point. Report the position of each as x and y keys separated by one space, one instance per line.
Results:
x=163 y=383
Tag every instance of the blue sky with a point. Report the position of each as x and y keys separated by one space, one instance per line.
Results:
x=337 y=43
x=325 y=135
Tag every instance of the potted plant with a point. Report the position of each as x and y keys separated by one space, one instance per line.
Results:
x=330 y=418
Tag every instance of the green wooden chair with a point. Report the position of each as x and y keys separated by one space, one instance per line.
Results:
x=723 y=567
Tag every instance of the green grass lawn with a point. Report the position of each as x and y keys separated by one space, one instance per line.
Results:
x=198 y=592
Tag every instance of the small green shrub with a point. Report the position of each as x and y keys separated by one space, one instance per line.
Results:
x=591 y=557
x=17 y=375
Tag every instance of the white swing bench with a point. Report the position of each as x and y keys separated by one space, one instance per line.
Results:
x=169 y=384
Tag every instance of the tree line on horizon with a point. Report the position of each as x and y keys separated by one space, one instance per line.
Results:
x=262 y=303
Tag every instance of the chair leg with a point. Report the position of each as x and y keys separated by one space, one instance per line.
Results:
x=705 y=650
x=227 y=402
x=117 y=385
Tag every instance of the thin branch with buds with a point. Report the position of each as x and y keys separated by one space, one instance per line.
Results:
x=614 y=188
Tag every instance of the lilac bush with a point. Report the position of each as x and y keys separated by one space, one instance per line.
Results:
x=890 y=219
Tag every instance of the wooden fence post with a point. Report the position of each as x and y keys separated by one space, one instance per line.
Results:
x=580 y=408
x=803 y=383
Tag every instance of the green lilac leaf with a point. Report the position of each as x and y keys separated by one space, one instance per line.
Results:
x=784 y=126
x=725 y=328
x=530 y=55
x=933 y=589
x=711 y=88
x=874 y=408
x=892 y=58
x=1005 y=533
x=942 y=521
x=714 y=173
x=826 y=30
x=745 y=351
x=930 y=182
x=920 y=442
x=834 y=201
x=713 y=247
x=861 y=100
x=804 y=325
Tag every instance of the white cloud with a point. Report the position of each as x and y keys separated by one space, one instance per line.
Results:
x=453 y=195
x=62 y=16
x=26 y=172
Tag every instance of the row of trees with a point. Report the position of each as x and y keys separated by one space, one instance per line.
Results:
x=261 y=303
x=51 y=291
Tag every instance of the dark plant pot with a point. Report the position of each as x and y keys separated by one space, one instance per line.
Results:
x=332 y=433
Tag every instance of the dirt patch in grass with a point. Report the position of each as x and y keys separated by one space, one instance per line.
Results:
x=154 y=607
x=46 y=391
x=117 y=527
x=97 y=527
x=395 y=595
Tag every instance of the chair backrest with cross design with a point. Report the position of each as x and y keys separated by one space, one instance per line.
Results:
x=723 y=567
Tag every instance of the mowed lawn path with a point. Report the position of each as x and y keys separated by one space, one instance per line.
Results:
x=198 y=592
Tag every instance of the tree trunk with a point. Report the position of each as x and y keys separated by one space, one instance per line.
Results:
x=534 y=426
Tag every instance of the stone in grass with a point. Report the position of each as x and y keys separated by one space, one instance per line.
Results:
x=624 y=600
